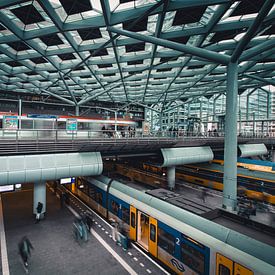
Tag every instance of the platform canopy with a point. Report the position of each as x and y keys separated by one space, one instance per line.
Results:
x=186 y=155
x=133 y=51
x=36 y=168
x=250 y=150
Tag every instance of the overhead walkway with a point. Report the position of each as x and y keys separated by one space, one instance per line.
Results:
x=50 y=141
x=55 y=250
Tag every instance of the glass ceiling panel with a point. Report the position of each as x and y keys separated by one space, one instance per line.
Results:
x=84 y=53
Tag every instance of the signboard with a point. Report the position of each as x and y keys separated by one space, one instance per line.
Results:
x=71 y=125
x=10 y=122
x=67 y=180
x=42 y=116
x=6 y=188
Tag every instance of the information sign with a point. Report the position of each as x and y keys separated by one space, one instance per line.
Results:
x=6 y=188
x=67 y=180
x=71 y=125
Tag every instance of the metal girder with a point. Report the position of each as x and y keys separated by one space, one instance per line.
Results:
x=58 y=97
x=267 y=45
x=252 y=30
x=10 y=25
x=58 y=23
x=199 y=52
x=106 y=13
x=264 y=80
x=157 y=34
x=67 y=87
x=211 y=24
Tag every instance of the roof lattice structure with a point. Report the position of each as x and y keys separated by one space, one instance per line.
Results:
x=139 y=51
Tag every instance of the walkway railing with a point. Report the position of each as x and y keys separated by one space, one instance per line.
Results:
x=55 y=135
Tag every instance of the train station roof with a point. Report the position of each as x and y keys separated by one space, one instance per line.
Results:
x=134 y=51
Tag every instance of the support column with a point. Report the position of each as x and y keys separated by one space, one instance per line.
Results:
x=77 y=110
x=19 y=112
x=247 y=108
x=152 y=120
x=240 y=116
x=115 y=122
x=39 y=195
x=273 y=155
x=230 y=139
x=171 y=176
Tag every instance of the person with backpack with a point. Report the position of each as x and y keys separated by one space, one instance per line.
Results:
x=38 y=211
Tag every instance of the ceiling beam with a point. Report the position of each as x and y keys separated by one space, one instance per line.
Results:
x=187 y=49
x=252 y=30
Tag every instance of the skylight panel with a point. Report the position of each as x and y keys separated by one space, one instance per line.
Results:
x=75 y=6
x=28 y=14
x=188 y=15
x=51 y=40
x=18 y=46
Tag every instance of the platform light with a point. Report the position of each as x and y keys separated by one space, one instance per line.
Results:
x=18 y=186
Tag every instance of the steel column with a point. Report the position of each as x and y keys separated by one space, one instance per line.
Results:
x=171 y=176
x=230 y=139
x=39 y=195
x=19 y=112
x=77 y=110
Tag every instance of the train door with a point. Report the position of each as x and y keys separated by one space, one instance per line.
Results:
x=133 y=223
x=153 y=235
x=143 y=230
x=224 y=265
x=241 y=270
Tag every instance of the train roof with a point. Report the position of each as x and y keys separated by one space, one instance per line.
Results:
x=169 y=213
x=240 y=171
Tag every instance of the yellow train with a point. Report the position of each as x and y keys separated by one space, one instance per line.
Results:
x=186 y=243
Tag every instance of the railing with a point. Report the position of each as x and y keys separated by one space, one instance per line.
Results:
x=57 y=134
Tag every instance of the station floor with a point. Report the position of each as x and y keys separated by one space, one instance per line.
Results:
x=55 y=250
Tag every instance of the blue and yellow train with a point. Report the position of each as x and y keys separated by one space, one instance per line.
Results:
x=260 y=189
x=252 y=164
x=186 y=243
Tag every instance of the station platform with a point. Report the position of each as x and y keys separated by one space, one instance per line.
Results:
x=55 y=249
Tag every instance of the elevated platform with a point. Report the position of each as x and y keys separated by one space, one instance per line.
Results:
x=110 y=146
x=55 y=250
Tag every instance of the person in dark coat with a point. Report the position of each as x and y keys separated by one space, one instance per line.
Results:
x=38 y=211
x=25 y=247
x=88 y=221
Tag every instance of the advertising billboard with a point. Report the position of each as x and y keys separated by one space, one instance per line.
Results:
x=10 y=122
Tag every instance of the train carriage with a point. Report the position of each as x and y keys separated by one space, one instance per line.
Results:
x=186 y=243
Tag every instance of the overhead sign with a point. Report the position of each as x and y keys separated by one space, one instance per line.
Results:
x=42 y=116
x=71 y=125
x=10 y=122
x=6 y=188
x=67 y=180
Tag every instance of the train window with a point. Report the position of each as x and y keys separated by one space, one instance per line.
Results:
x=114 y=207
x=133 y=220
x=152 y=232
x=125 y=214
x=98 y=197
x=166 y=241
x=26 y=124
x=192 y=257
x=223 y=270
x=92 y=193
